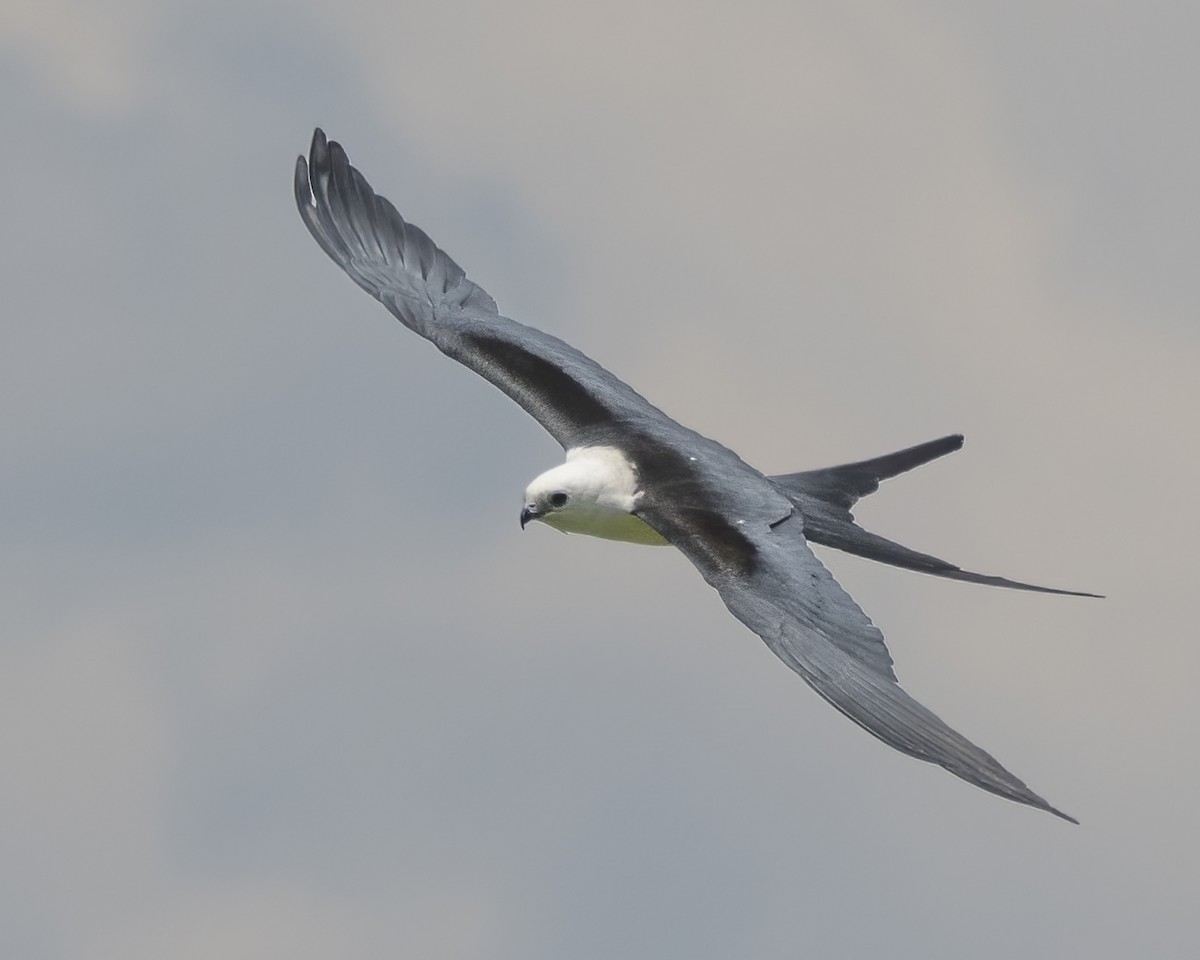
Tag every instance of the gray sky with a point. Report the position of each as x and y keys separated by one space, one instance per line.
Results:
x=279 y=675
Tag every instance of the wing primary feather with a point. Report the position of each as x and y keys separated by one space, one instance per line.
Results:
x=886 y=711
x=873 y=700
x=572 y=396
x=795 y=605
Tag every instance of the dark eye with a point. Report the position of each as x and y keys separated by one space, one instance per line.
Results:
x=558 y=499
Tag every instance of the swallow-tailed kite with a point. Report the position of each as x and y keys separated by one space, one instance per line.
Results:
x=632 y=473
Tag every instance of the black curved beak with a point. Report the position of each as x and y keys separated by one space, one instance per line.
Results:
x=527 y=514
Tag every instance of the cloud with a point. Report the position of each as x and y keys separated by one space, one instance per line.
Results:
x=281 y=676
x=89 y=58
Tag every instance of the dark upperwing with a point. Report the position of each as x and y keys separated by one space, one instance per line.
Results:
x=782 y=592
x=740 y=529
x=572 y=396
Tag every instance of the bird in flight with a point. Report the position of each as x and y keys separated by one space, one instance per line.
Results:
x=634 y=474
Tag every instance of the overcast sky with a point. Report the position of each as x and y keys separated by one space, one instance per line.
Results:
x=281 y=677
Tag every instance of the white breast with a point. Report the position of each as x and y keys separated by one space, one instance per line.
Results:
x=602 y=488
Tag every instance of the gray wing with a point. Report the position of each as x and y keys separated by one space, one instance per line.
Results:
x=781 y=591
x=761 y=564
x=572 y=396
x=825 y=498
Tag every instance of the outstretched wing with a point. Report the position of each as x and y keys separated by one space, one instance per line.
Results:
x=756 y=556
x=781 y=591
x=572 y=396
x=825 y=498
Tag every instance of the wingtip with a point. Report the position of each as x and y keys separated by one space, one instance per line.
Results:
x=318 y=150
x=317 y=159
x=1060 y=814
x=300 y=184
x=1055 y=590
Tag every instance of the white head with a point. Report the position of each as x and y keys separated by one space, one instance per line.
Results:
x=594 y=492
